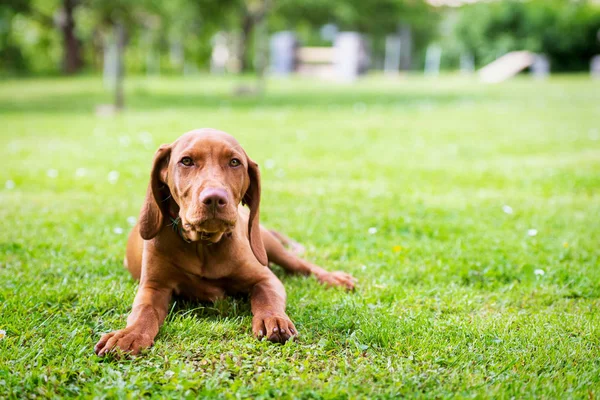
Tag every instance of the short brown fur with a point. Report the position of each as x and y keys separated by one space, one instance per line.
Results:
x=195 y=239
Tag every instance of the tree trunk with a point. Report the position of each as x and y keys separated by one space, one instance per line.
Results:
x=261 y=55
x=72 y=61
x=247 y=28
x=120 y=68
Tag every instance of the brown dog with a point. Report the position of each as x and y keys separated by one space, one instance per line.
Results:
x=194 y=239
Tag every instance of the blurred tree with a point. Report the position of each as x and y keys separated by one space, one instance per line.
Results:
x=564 y=31
x=36 y=34
x=113 y=17
x=374 y=17
x=47 y=15
x=11 y=56
x=72 y=60
x=253 y=12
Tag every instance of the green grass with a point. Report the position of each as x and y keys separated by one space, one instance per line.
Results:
x=449 y=303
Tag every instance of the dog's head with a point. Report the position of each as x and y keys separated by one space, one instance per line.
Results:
x=201 y=178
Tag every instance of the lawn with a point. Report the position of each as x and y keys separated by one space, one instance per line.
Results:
x=470 y=215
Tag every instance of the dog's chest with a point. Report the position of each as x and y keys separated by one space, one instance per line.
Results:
x=208 y=272
x=206 y=279
x=214 y=261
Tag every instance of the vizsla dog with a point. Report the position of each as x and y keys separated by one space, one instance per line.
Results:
x=194 y=239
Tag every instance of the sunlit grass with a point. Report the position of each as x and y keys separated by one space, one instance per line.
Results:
x=426 y=190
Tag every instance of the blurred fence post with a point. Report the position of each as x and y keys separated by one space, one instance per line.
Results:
x=113 y=68
x=406 y=50
x=109 y=67
x=393 y=49
x=120 y=67
x=261 y=54
x=540 y=67
x=283 y=47
x=350 y=56
x=152 y=56
x=177 y=54
x=220 y=53
x=467 y=64
x=433 y=59
x=595 y=67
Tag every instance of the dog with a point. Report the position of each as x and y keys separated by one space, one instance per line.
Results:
x=194 y=238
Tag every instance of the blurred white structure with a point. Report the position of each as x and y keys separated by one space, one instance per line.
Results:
x=329 y=32
x=467 y=63
x=393 y=48
x=351 y=56
x=506 y=66
x=315 y=61
x=595 y=67
x=345 y=61
x=540 y=67
x=110 y=65
x=406 y=49
x=283 y=49
x=433 y=60
x=220 y=53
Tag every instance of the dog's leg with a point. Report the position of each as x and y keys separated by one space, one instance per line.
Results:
x=267 y=299
x=290 y=244
x=147 y=315
x=277 y=253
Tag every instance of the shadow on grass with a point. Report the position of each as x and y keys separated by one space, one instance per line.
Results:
x=231 y=307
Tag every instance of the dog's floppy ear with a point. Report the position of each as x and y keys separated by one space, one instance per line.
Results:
x=155 y=206
x=252 y=199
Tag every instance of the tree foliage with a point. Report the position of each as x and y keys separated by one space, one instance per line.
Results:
x=31 y=38
x=34 y=37
x=565 y=31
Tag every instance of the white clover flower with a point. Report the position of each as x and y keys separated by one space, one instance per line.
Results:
x=52 y=173
x=131 y=220
x=532 y=232
x=146 y=139
x=124 y=141
x=372 y=230
x=507 y=209
x=80 y=172
x=269 y=163
x=10 y=184
x=118 y=230
x=113 y=177
x=539 y=272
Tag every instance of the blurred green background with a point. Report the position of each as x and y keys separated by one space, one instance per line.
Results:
x=67 y=36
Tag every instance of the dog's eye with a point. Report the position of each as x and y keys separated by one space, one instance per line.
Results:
x=235 y=162
x=187 y=161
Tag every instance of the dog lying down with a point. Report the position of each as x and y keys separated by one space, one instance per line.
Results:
x=195 y=239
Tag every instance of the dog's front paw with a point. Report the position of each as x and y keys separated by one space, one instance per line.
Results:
x=126 y=340
x=276 y=328
x=338 y=278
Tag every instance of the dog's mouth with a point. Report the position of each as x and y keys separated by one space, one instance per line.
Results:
x=210 y=230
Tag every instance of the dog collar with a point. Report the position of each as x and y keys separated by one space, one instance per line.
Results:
x=176 y=225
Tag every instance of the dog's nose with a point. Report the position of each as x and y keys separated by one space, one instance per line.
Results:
x=214 y=198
